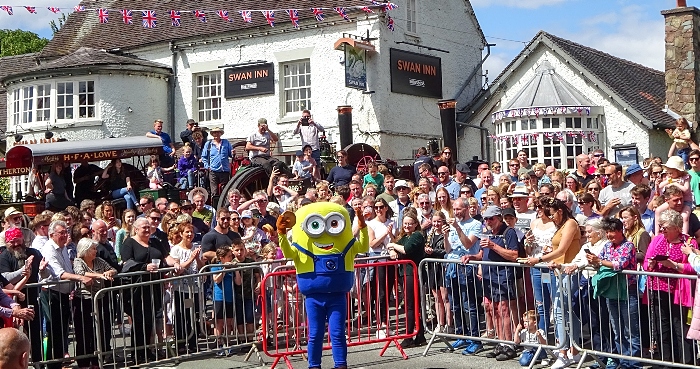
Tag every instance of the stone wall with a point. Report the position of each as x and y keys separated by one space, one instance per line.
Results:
x=682 y=64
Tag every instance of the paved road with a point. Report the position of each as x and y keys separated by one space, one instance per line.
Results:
x=364 y=357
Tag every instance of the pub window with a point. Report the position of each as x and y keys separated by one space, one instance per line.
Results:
x=15 y=107
x=64 y=100
x=411 y=16
x=208 y=96
x=297 y=86
x=43 y=103
x=28 y=104
x=86 y=99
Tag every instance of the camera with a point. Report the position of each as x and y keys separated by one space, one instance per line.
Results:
x=304 y=121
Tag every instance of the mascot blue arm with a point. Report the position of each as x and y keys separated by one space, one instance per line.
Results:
x=323 y=250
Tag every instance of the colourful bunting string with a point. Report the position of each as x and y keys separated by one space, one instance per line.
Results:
x=31 y=9
x=342 y=13
x=202 y=16
x=390 y=23
x=8 y=9
x=79 y=8
x=318 y=13
x=54 y=10
x=536 y=112
x=531 y=138
x=103 y=15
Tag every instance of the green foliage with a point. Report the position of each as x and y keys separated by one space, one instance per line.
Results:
x=17 y=42
x=55 y=26
x=5 y=189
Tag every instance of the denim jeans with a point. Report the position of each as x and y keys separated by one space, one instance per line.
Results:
x=562 y=289
x=128 y=196
x=463 y=306
x=186 y=182
x=543 y=297
x=624 y=317
x=529 y=354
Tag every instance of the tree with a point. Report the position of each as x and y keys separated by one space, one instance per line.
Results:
x=17 y=42
x=58 y=23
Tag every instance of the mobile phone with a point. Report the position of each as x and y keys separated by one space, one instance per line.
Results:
x=304 y=121
x=587 y=251
x=660 y=257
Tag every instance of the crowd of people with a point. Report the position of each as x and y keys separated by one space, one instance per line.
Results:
x=569 y=231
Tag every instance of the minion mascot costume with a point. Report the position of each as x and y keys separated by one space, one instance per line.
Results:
x=323 y=250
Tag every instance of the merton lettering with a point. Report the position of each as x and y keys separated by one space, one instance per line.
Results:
x=6 y=172
x=429 y=70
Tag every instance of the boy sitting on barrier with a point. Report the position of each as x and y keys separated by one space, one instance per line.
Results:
x=529 y=333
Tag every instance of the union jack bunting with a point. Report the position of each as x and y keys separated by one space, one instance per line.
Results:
x=245 y=14
x=175 y=18
x=79 y=8
x=342 y=13
x=390 y=6
x=269 y=17
x=54 y=10
x=31 y=9
x=367 y=9
x=318 y=13
x=202 y=16
x=224 y=15
x=103 y=14
x=148 y=18
x=294 y=17
x=8 y=9
x=390 y=23
x=127 y=16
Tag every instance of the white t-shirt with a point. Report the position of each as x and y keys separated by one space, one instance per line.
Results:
x=182 y=254
x=379 y=229
x=259 y=139
x=524 y=219
x=527 y=337
x=622 y=192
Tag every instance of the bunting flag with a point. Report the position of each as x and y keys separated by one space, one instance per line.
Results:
x=318 y=13
x=175 y=18
x=390 y=6
x=342 y=13
x=246 y=15
x=390 y=23
x=200 y=15
x=367 y=9
x=148 y=18
x=294 y=17
x=31 y=9
x=127 y=16
x=224 y=15
x=54 y=10
x=78 y=8
x=531 y=138
x=103 y=15
x=8 y=9
x=269 y=17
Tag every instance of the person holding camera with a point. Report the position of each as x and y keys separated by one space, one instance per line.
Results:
x=258 y=146
x=308 y=129
x=186 y=135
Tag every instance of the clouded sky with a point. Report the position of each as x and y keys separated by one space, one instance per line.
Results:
x=632 y=30
x=629 y=29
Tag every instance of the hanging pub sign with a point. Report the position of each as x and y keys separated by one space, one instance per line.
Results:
x=355 y=68
x=415 y=74
x=249 y=80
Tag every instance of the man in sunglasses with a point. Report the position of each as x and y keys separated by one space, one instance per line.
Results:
x=402 y=201
x=145 y=205
x=447 y=182
x=513 y=168
x=462 y=177
x=596 y=156
x=583 y=163
x=616 y=194
x=219 y=236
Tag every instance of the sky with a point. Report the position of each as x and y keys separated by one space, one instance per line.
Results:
x=633 y=30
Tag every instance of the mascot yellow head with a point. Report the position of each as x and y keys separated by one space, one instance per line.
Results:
x=322 y=228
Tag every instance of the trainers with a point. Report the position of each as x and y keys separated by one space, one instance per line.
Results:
x=507 y=353
x=473 y=348
x=493 y=353
x=611 y=364
x=564 y=361
x=460 y=343
x=381 y=334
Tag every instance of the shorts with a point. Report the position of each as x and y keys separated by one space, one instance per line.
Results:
x=497 y=291
x=244 y=311
x=520 y=287
x=223 y=309
x=436 y=276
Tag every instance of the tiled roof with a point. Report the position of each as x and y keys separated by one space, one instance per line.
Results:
x=643 y=88
x=11 y=65
x=85 y=57
x=83 y=28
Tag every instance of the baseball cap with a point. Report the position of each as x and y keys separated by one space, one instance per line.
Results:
x=508 y=211
x=247 y=214
x=634 y=168
x=491 y=211
x=400 y=183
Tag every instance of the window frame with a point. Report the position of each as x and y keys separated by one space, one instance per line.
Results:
x=285 y=87
x=210 y=112
x=411 y=14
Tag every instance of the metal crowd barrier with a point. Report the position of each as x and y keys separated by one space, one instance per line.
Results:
x=480 y=307
x=640 y=323
x=376 y=310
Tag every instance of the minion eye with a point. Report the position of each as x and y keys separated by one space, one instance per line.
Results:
x=335 y=223
x=314 y=225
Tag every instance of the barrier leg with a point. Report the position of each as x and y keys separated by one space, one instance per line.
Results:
x=254 y=349
x=398 y=346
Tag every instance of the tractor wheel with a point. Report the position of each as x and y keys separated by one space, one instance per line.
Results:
x=247 y=180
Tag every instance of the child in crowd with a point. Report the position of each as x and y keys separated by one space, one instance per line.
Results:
x=223 y=295
x=678 y=177
x=187 y=168
x=155 y=174
x=269 y=253
x=304 y=167
x=245 y=292
x=680 y=136
x=374 y=177
x=529 y=333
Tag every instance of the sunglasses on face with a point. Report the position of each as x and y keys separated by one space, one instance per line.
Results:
x=488 y=218
x=447 y=153
x=598 y=155
x=235 y=219
x=466 y=192
x=378 y=207
x=514 y=165
x=424 y=203
x=497 y=168
x=693 y=159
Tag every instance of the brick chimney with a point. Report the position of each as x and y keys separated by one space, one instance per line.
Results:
x=683 y=60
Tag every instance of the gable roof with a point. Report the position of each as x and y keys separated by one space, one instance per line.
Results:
x=12 y=65
x=83 y=28
x=640 y=87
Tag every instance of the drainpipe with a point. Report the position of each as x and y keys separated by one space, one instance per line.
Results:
x=171 y=88
x=449 y=127
x=473 y=73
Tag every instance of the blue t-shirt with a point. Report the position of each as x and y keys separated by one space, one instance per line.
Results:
x=299 y=166
x=340 y=176
x=217 y=159
x=165 y=138
x=508 y=239
x=452 y=188
x=470 y=227
x=223 y=291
